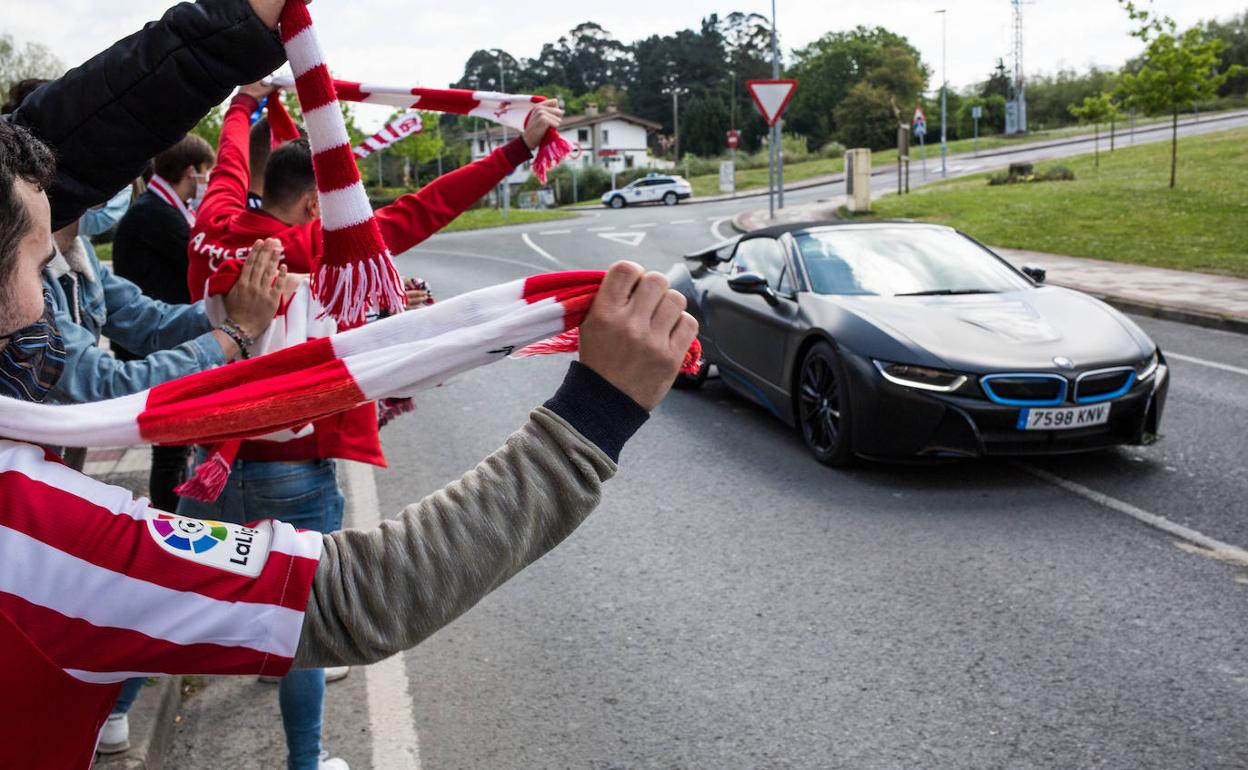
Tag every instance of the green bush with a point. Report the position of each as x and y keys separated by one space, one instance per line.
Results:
x=832 y=150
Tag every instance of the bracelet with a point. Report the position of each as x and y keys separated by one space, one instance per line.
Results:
x=240 y=337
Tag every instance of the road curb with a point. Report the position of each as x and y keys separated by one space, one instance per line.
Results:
x=152 y=719
x=1185 y=315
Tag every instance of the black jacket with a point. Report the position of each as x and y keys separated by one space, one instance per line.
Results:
x=107 y=117
x=149 y=248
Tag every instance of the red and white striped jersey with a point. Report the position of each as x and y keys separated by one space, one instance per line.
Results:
x=97 y=587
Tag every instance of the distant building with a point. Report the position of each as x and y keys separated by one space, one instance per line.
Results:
x=612 y=139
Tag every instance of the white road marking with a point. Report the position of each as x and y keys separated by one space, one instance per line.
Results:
x=1224 y=551
x=645 y=224
x=529 y=242
x=473 y=255
x=715 y=228
x=599 y=229
x=632 y=239
x=683 y=221
x=554 y=232
x=1203 y=362
x=391 y=724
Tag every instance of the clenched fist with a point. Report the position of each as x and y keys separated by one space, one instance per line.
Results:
x=637 y=333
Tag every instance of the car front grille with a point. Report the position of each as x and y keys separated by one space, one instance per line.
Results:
x=1025 y=389
x=1103 y=384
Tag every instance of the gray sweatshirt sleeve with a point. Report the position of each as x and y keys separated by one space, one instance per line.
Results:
x=386 y=589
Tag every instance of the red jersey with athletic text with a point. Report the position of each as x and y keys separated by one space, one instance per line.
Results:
x=96 y=587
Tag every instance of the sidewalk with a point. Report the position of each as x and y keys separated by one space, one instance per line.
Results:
x=1214 y=301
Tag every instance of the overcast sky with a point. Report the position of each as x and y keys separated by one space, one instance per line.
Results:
x=421 y=42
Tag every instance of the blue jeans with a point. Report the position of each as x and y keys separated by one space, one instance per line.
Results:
x=304 y=494
x=129 y=694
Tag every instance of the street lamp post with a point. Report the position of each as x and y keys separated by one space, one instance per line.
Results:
x=502 y=86
x=944 y=92
x=777 y=148
x=676 y=92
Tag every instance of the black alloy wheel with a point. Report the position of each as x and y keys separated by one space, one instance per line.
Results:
x=823 y=406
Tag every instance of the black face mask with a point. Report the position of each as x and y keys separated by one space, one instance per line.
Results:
x=32 y=362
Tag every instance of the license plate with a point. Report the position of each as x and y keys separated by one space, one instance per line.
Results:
x=1063 y=418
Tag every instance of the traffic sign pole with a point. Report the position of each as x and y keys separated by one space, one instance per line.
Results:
x=772 y=97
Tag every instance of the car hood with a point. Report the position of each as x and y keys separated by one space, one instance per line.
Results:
x=1018 y=330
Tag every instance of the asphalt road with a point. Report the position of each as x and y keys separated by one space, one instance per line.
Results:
x=733 y=604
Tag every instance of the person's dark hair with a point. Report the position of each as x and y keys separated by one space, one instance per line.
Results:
x=289 y=174
x=190 y=150
x=18 y=93
x=258 y=149
x=22 y=156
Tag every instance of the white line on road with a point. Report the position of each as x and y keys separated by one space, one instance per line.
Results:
x=644 y=224
x=391 y=724
x=1224 y=551
x=1203 y=362
x=683 y=221
x=715 y=227
x=529 y=242
x=554 y=232
x=599 y=229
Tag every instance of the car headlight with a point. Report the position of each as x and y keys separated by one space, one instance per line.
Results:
x=1146 y=368
x=921 y=377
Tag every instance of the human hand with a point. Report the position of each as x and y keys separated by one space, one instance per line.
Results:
x=257 y=90
x=255 y=296
x=637 y=333
x=269 y=11
x=418 y=294
x=545 y=116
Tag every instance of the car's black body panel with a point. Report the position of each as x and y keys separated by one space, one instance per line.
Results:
x=758 y=347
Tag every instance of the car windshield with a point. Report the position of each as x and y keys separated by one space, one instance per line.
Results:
x=897 y=261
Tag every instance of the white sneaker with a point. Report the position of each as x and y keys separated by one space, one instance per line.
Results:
x=332 y=764
x=336 y=673
x=115 y=737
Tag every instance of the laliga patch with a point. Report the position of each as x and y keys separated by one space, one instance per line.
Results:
x=231 y=547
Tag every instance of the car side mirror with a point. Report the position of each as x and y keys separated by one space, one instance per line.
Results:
x=1035 y=273
x=752 y=283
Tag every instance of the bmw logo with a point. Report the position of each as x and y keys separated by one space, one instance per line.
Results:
x=1063 y=362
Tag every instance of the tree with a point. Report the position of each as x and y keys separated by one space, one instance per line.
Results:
x=992 y=121
x=1096 y=110
x=832 y=66
x=998 y=83
x=419 y=148
x=867 y=117
x=1233 y=32
x=32 y=60
x=1176 y=71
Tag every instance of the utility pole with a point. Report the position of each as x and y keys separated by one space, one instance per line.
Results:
x=675 y=92
x=776 y=129
x=944 y=101
x=502 y=86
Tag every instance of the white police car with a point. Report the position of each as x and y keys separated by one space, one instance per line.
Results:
x=652 y=188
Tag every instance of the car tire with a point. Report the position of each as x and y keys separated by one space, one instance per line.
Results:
x=821 y=404
x=670 y=199
x=692 y=381
x=617 y=202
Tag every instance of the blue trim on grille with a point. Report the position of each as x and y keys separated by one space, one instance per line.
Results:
x=985 y=382
x=1105 y=396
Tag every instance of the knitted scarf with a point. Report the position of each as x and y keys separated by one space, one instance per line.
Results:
x=401 y=127
x=511 y=110
x=274 y=396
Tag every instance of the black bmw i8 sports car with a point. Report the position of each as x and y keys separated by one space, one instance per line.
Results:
x=901 y=339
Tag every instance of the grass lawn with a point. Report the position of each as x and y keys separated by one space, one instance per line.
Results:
x=1125 y=212
x=476 y=219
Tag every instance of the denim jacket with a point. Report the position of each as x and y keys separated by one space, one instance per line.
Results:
x=90 y=301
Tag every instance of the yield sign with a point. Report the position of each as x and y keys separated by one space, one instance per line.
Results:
x=771 y=96
x=632 y=238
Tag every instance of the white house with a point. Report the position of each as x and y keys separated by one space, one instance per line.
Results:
x=609 y=139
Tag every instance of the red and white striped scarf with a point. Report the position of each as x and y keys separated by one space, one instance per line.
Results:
x=511 y=110
x=163 y=190
x=400 y=128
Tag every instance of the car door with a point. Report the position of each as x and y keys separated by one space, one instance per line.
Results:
x=750 y=333
x=639 y=191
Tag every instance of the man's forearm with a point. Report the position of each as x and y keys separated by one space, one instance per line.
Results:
x=120 y=99
x=384 y=590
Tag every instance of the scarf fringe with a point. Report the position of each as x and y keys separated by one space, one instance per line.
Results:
x=569 y=342
x=553 y=149
x=349 y=290
x=208 y=481
x=390 y=409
